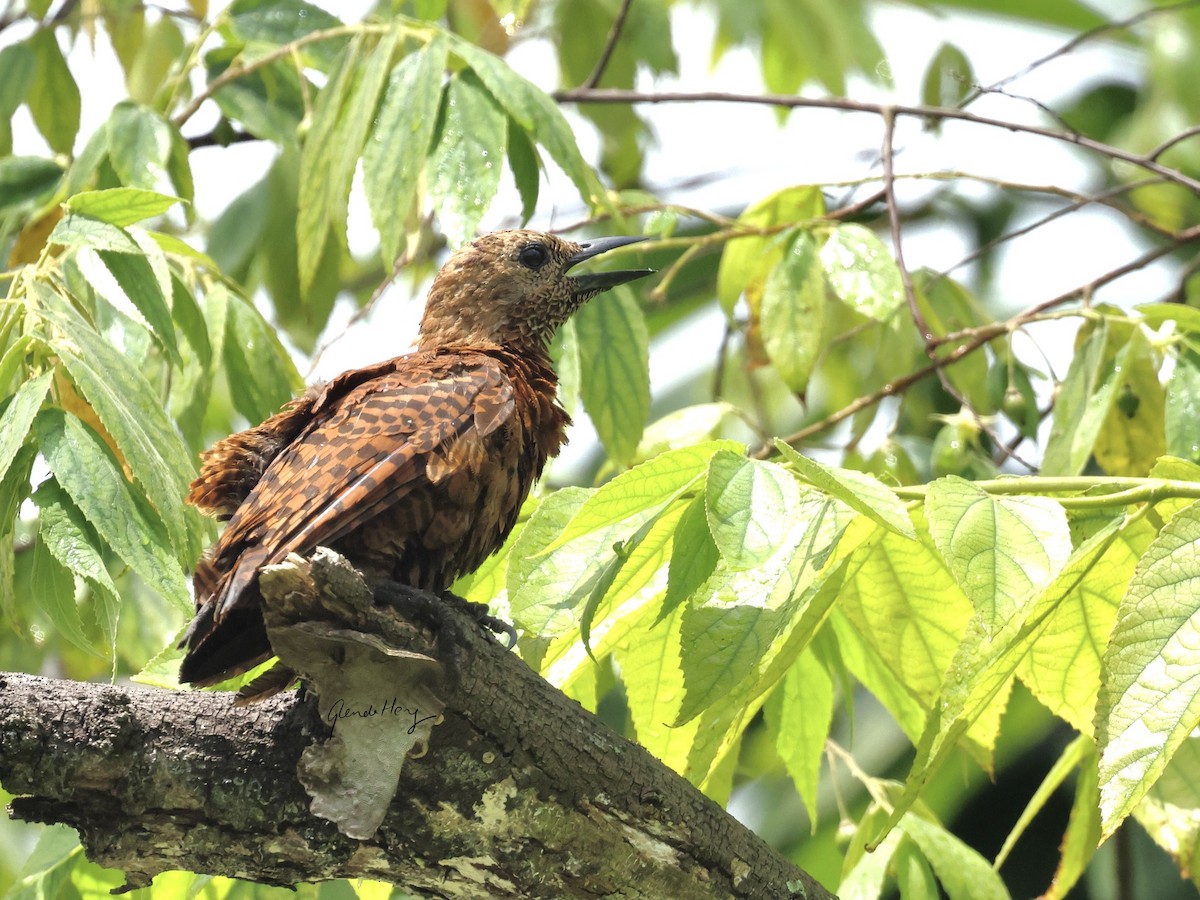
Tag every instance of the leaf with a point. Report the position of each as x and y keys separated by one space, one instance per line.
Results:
x=535 y=112
x=120 y=206
x=1133 y=435
x=949 y=78
x=964 y=874
x=128 y=283
x=694 y=557
x=653 y=679
x=53 y=96
x=1081 y=405
x=53 y=591
x=740 y=621
x=395 y=154
x=323 y=197
x=526 y=168
x=86 y=470
x=261 y=374
x=750 y=506
x=1182 y=409
x=793 y=312
x=70 y=540
x=906 y=606
x=544 y=589
x=18 y=65
x=1170 y=811
x=132 y=412
x=644 y=488
x=614 y=351
x=465 y=164
x=1150 y=690
x=746 y=261
x=862 y=272
x=27 y=180
x=798 y=715
x=1062 y=667
x=857 y=490
x=1001 y=550
x=280 y=22
x=17 y=419
x=139 y=145
x=84 y=231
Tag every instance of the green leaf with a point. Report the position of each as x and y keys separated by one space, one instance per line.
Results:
x=18 y=66
x=27 y=179
x=644 y=488
x=279 y=22
x=120 y=206
x=128 y=282
x=1182 y=409
x=526 y=168
x=964 y=874
x=857 y=490
x=132 y=412
x=793 y=312
x=53 y=591
x=750 y=506
x=1081 y=404
x=614 y=351
x=53 y=96
x=395 y=154
x=862 y=272
x=750 y=621
x=65 y=532
x=546 y=589
x=322 y=200
x=139 y=145
x=465 y=164
x=1001 y=550
x=262 y=376
x=746 y=261
x=653 y=679
x=949 y=78
x=84 y=231
x=903 y=602
x=536 y=113
x=1149 y=697
x=86 y=470
x=1062 y=667
x=1083 y=827
x=694 y=556
x=798 y=716
x=1133 y=435
x=17 y=419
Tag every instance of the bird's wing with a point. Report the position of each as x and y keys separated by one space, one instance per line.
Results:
x=367 y=452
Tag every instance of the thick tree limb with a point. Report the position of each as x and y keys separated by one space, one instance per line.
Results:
x=522 y=793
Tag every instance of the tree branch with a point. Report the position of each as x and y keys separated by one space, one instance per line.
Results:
x=790 y=101
x=614 y=34
x=522 y=793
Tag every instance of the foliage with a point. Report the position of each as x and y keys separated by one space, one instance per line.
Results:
x=884 y=490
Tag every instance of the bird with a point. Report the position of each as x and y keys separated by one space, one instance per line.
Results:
x=413 y=468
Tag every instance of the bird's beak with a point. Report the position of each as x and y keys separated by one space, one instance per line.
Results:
x=595 y=282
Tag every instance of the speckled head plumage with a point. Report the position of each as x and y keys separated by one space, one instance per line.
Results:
x=511 y=289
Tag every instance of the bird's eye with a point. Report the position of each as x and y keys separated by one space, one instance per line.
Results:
x=533 y=256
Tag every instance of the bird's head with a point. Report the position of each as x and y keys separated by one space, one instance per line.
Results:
x=511 y=289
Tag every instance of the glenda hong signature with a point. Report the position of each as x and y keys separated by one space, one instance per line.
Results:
x=341 y=709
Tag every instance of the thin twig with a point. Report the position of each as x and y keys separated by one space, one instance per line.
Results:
x=614 y=35
x=790 y=101
x=1172 y=141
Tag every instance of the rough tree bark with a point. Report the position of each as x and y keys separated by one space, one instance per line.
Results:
x=521 y=792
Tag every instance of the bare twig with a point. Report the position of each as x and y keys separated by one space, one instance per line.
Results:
x=790 y=101
x=614 y=35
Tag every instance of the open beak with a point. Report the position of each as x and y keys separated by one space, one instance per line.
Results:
x=595 y=282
